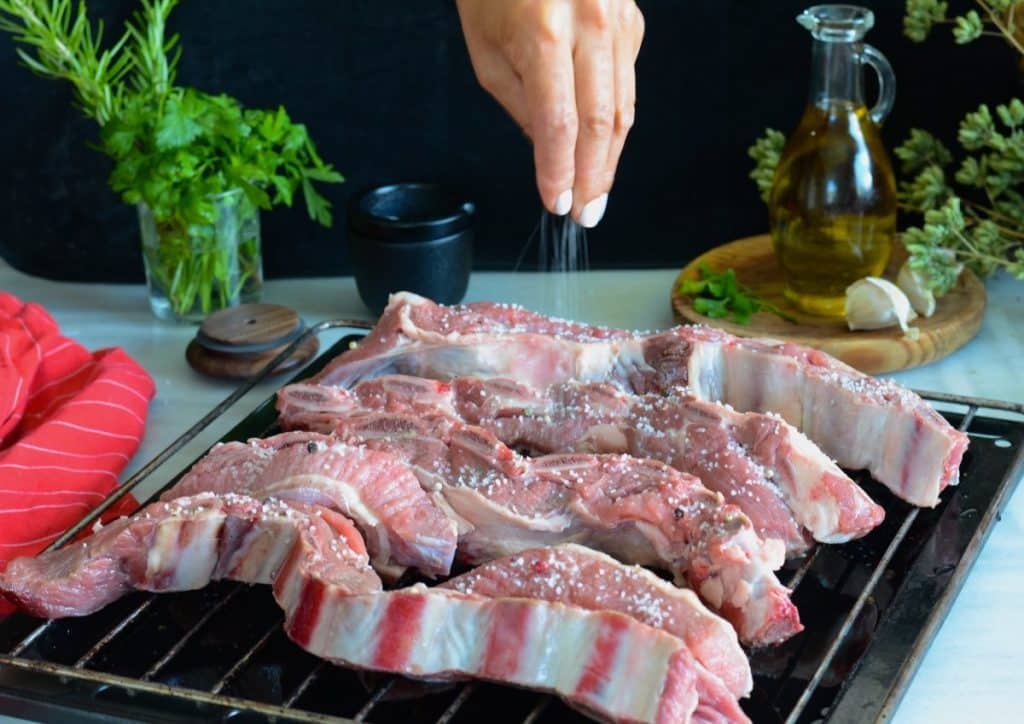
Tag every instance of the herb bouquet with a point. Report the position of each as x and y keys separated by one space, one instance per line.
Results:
x=199 y=167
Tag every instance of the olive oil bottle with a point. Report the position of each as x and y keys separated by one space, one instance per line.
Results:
x=832 y=208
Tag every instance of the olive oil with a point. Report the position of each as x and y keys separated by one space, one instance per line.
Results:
x=833 y=206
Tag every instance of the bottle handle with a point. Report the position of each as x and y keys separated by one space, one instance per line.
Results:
x=871 y=56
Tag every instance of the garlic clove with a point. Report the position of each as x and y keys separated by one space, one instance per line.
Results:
x=873 y=303
x=913 y=285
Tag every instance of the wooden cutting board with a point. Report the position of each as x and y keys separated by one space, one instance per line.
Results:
x=956 y=320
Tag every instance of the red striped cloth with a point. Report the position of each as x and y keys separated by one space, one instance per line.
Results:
x=69 y=422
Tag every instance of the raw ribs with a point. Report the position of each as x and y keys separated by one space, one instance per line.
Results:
x=860 y=421
x=786 y=486
x=641 y=511
x=607 y=664
x=380 y=493
x=183 y=545
x=580 y=576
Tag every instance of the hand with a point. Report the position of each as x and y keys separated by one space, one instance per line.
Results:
x=563 y=69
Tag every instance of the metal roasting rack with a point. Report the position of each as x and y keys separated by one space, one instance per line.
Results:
x=871 y=607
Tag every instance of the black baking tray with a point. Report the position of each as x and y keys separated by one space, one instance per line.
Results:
x=870 y=607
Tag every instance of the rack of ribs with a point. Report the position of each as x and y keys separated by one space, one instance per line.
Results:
x=641 y=511
x=607 y=664
x=860 y=421
x=788 y=488
x=580 y=576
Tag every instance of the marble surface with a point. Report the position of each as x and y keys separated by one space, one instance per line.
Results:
x=973 y=671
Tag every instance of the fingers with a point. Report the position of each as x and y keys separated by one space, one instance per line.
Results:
x=627 y=46
x=596 y=104
x=498 y=78
x=550 y=100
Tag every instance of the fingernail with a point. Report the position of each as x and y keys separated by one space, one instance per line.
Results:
x=594 y=211
x=563 y=204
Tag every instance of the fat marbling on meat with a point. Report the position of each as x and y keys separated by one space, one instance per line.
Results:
x=862 y=422
x=788 y=488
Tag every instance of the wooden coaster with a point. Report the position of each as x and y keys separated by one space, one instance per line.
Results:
x=238 y=342
x=957 y=316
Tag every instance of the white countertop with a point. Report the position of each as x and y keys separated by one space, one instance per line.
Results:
x=974 y=671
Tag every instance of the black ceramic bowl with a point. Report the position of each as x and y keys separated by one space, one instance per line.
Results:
x=414 y=237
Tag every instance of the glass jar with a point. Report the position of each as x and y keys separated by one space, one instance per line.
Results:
x=833 y=200
x=195 y=269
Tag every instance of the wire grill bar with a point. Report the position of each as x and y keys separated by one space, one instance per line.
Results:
x=379 y=694
x=214 y=695
x=109 y=636
x=187 y=636
x=237 y=666
x=304 y=684
x=799 y=573
x=537 y=710
x=453 y=708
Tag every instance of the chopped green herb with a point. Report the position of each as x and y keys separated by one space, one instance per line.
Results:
x=720 y=295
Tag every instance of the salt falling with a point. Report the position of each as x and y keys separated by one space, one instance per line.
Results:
x=563 y=253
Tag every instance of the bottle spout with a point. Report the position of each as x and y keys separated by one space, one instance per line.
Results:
x=837 y=23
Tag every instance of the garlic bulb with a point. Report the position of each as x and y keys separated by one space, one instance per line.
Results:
x=873 y=303
x=913 y=285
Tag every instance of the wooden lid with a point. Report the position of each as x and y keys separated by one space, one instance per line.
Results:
x=238 y=342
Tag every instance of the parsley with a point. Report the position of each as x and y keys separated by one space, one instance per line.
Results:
x=720 y=295
x=176 y=149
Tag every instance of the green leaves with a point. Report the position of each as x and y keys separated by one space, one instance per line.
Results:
x=967 y=27
x=179 y=124
x=977 y=130
x=920 y=150
x=176 y=152
x=920 y=16
x=719 y=295
x=766 y=152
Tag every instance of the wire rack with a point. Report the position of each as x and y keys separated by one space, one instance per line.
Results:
x=870 y=608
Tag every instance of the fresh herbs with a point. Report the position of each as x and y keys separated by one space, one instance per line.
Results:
x=720 y=295
x=177 y=150
x=980 y=224
x=766 y=152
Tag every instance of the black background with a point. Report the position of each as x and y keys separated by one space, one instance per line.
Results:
x=387 y=91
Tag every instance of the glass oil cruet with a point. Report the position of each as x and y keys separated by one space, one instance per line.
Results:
x=832 y=207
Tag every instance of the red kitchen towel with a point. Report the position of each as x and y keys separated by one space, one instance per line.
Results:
x=70 y=420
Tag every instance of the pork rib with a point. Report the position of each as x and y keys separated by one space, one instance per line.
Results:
x=860 y=421
x=605 y=663
x=641 y=511
x=401 y=524
x=183 y=545
x=580 y=576
x=334 y=607
x=763 y=465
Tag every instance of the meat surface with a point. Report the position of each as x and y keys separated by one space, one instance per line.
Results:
x=785 y=485
x=580 y=576
x=380 y=493
x=860 y=421
x=183 y=545
x=640 y=511
x=607 y=664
